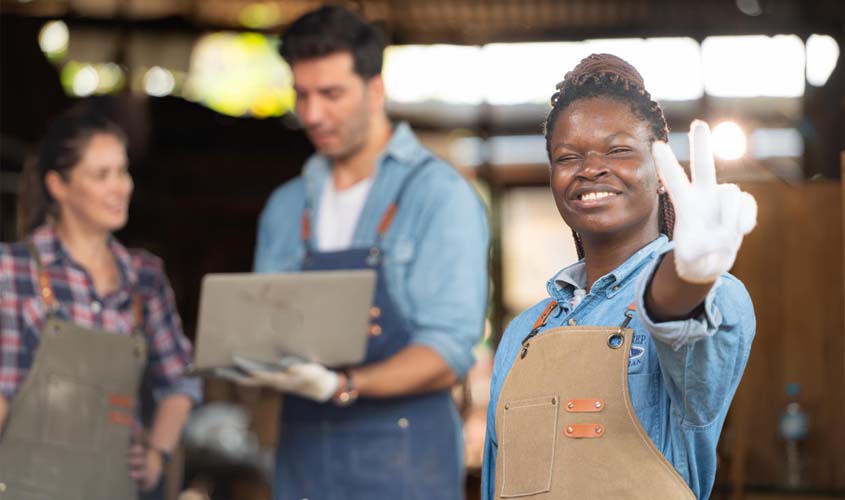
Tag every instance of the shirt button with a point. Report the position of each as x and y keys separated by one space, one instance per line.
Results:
x=403 y=423
x=96 y=307
x=572 y=322
x=616 y=288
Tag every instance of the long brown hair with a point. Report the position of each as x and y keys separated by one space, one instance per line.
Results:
x=60 y=150
x=605 y=75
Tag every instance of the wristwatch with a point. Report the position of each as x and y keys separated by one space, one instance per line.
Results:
x=348 y=394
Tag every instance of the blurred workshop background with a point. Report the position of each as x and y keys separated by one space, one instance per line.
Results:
x=206 y=101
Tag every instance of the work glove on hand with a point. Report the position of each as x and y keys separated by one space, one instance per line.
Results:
x=290 y=375
x=710 y=219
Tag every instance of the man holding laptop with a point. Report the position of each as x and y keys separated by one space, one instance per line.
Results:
x=372 y=197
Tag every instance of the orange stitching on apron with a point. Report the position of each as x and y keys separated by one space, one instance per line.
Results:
x=122 y=401
x=120 y=418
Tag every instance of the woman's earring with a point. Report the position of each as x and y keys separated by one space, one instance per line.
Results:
x=661 y=189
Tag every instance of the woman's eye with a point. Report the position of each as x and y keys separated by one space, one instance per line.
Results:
x=566 y=159
x=619 y=150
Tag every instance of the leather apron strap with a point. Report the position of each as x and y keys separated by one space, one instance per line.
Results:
x=566 y=425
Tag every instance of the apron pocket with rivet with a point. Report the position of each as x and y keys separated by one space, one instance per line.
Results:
x=527 y=445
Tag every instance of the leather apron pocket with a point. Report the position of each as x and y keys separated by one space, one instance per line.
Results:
x=527 y=445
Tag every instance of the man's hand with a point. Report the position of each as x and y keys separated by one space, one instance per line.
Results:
x=308 y=380
x=710 y=219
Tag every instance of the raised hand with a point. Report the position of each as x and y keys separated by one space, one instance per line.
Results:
x=710 y=218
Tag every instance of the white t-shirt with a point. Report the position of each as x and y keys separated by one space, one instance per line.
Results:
x=338 y=214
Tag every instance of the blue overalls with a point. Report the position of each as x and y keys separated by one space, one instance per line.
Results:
x=392 y=449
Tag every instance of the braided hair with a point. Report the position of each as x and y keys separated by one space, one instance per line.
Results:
x=608 y=76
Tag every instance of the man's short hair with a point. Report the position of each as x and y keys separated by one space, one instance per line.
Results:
x=332 y=29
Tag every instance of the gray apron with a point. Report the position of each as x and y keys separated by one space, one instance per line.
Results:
x=68 y=431
x=566 y=425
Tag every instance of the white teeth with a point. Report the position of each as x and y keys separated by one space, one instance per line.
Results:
x=596 y=196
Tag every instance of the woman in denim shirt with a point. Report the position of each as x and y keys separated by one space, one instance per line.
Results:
x=618 y=385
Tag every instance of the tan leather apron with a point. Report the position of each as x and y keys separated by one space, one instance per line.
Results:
x=69 y=427
x=566 y=425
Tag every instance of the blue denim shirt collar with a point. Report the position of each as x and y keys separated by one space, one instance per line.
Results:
x=563 y=284
x=403 y=147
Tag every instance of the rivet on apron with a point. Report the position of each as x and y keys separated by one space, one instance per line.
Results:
x=615 y=341
x=598 y=404
x=570 y=430
x=402 y=423
x=570 y=405
x=554 y=401
x=374 y=330
x=598 y=429
x=374 y=256
x=375 y=312
x=507 y=406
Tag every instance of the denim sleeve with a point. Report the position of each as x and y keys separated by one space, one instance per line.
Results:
x=448 y=277
x=702 y=358
x=277 y=228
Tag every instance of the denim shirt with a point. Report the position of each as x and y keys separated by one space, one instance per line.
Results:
x=682 y=375
x=435 y=252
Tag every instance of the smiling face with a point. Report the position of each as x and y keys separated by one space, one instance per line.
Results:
x=602 y=174
x=96 y=193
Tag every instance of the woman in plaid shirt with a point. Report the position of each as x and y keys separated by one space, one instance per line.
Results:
x=75 y=195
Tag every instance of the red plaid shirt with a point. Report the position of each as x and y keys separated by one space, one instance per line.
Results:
x=22 y=312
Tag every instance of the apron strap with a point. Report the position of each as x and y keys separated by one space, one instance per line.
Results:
x=137 y=312
x=45 y=290
x=48 y=296
x=551 y=306
x=383 y=226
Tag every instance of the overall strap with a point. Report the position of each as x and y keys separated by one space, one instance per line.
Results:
x=384 y=223
x=387 y=218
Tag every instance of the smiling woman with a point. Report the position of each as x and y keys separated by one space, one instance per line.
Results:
x=82 y=319
x=617 y=386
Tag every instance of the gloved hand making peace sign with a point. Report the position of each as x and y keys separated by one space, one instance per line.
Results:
x=710 y=219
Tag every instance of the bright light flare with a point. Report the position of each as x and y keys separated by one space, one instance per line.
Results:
x=53 y=38
x=86 y=81
x=728 y=141
x=822 y=54
x=159 y=82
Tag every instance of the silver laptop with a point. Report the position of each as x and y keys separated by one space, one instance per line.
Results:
x=320 y=316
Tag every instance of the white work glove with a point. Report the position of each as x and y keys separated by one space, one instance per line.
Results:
x=308 y=380
x=710 y=218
